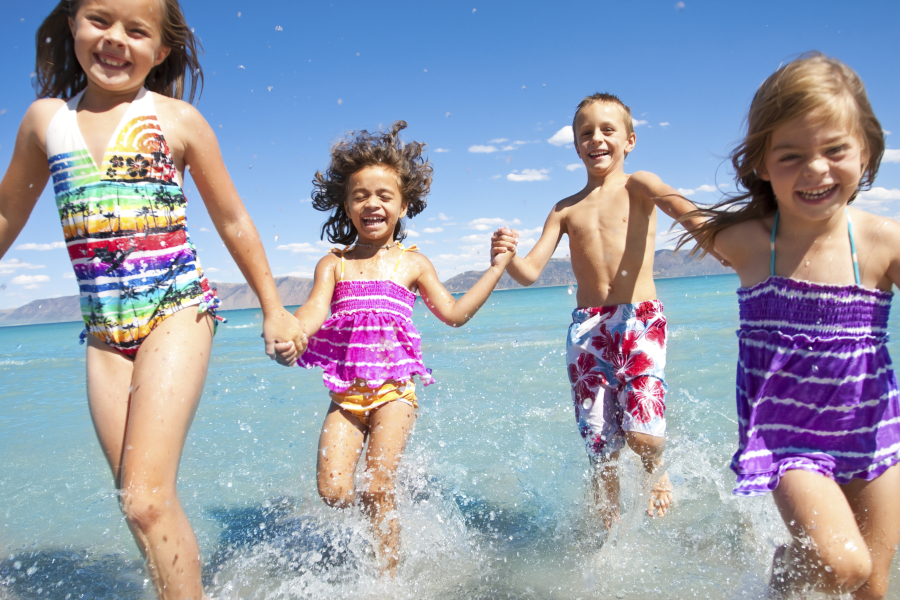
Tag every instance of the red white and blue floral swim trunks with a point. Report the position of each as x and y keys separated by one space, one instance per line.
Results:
x=616 y=358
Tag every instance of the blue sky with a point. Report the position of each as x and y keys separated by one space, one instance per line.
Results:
x=285 y=80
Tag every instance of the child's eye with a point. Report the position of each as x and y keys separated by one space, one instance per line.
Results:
x=787 y=157
x=837 y=149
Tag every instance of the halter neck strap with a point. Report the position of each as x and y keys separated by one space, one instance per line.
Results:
x=403 y=250
x=852 y=246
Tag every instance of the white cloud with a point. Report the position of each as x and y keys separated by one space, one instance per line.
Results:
x=891 y=155
x=30 y=281
x=211 y=270
x=8 y=267
x=529 y=175
x=299 y=247
x=443 y=217
x=880 y=193
x=433 y=229
x=441 y=150
x=664 y=124
x=574 y=167
x=637 y=122
x=702 y=188
x=477 y=238
x=498 y=141
x=412 y=233
x=204 y=229
x=563 y=137
x=484 y=224
x=68 y=275
x=482 y=149
x=298 y=274
x=51 y=246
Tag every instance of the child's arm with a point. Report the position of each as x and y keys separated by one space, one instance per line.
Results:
x=202 y=155
x=448 y=309
x=670 y=201
x=313 y=312
x=27 y=173
x=525 y=270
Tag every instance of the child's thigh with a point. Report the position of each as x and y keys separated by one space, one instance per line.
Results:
x=169 y=372
x=109 y=375
x=389 y=429
x=877 y=509
x=814 y=506
x=340 y=445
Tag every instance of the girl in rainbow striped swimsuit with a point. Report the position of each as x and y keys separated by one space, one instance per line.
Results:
x=817 y=400
x=369 y=348
x=111 y=130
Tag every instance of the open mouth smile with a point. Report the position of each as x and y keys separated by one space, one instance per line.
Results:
x=109 y=61
x=371 y=222
x=817 y=195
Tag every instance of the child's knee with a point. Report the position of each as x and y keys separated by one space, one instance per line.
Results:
x=336 y=490
x=142 y=508
x=846 y=573
x=645 y=445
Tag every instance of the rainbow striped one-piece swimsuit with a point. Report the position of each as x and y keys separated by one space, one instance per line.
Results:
x=124 y=226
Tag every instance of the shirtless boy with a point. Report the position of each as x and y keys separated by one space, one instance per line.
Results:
x=616 y=346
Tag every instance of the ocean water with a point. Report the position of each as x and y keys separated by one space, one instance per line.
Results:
x=493 y=489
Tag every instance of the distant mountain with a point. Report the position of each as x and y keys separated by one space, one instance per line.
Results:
x=294 y=291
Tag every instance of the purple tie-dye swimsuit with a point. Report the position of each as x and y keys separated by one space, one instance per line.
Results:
x=815 y=388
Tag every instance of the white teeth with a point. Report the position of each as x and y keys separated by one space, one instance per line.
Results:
x=817 y=195
x=112 y=63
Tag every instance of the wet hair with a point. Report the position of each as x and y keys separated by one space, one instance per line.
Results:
x=813 y=83
x=608 y=99
x=363 y=149
x=59 y=74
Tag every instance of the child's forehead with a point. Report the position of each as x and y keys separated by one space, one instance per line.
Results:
x=600 y=110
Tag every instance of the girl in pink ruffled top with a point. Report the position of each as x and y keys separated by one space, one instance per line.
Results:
x=369 y=348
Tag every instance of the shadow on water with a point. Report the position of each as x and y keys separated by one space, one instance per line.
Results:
x=61 y=574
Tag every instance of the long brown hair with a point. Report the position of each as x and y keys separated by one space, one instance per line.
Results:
x=363 y=149
x=811 y=83
x=59 y=75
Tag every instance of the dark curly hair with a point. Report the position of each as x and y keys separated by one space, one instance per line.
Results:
x=59 y=75
x=363 y=149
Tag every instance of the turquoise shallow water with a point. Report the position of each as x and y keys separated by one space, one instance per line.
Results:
x=493 y=485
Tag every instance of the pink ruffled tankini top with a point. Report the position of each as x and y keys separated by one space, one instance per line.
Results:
x=369 y=336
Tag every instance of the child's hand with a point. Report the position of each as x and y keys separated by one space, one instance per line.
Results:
x=503 y=245
x=284 y=337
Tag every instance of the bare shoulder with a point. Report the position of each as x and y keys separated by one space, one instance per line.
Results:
x=419 y=262
x=874 y=227
x=38 y=116
x=647 y=186
x=734 y=241
x=179 y=117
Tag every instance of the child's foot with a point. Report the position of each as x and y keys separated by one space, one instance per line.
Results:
x=660 y=496
x=609 y=513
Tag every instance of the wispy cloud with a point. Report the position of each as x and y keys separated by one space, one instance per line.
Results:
x=68 y=275
x=297 y=248
x=563 y=137
x=891 y=155
x=29 y=282
x=441 y=150
x=413 y=233
x=664 y=124
x=637 y=122
x=443 y=217
x=702 y=188
x=529 y=175
x=477 y=149
x=204 y=229
x=51 y=246
x=303 y=274
x=484 y=224
x=8 y=267
x=498 y=141
x=574 y=166
x=433 y=229
x=211 y=270
x=880 y=193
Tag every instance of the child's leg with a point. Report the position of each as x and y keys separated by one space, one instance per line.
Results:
x=389 y=428
x=650 y=449
x=605 y=476
x=878 y=514
x=828 y=552
x=340 y=444
x=142 y=424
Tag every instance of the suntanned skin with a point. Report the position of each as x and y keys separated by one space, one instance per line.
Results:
x=611 y=225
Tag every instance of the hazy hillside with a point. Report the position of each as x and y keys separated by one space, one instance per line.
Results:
x=295 y=290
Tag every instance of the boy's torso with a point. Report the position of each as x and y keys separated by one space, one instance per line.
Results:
x=612 y=238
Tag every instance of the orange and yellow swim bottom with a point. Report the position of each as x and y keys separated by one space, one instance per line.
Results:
x=361 y=400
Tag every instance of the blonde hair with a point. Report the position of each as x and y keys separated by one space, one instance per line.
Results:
x=813 y=83
x=59 y=74
x=607 y=99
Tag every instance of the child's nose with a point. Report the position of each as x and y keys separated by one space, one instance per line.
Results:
x=115 y=34
x=817 y=166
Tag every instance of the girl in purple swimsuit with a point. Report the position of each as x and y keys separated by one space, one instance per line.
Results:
x=369 y=348
x=817 y=400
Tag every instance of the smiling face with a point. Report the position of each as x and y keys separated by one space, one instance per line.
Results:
x=118 y=42
x=601 y=137
x=375 y=204
x=814 y=165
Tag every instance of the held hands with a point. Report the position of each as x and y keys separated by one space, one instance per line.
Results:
x=503 y=246
x=284 y=337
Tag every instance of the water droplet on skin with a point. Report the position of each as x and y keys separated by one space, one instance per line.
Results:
x=571 y=289
x=624 y=273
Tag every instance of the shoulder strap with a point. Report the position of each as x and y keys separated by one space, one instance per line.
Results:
x=412 y=248
x=340 y=252
x=774 y=230
x=852 y=247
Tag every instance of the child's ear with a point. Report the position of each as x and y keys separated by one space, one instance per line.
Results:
x=161 y=55
x=403 y=208
x=762 y=173
x=632 y=140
